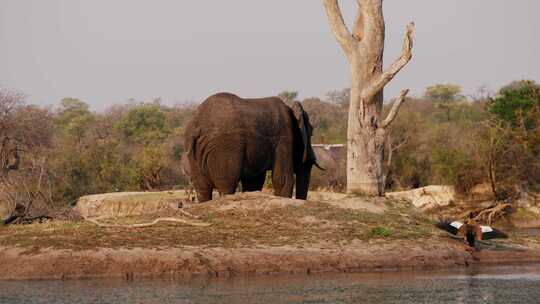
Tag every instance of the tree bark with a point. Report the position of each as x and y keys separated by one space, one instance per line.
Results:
x=364 y=49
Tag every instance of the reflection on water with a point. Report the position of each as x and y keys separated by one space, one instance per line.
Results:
x=527 y=231
x=486 y=285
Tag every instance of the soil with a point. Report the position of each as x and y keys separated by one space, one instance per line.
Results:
x=251 y=234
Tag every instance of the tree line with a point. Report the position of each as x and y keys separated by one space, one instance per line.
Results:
x=49 y=157
x=445 y=137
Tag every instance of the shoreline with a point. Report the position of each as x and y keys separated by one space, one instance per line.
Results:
x=193 y=262
x=249 y=234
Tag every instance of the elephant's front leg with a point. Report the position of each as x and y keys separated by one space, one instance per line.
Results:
x=204 y=192
x=202 y=185
x=283 y=172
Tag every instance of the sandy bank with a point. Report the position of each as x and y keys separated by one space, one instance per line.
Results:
x=221 y=262
x=251 y=234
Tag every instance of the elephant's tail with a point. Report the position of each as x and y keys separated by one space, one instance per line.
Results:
x=191 y=142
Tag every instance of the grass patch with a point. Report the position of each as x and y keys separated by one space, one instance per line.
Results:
x=380 y=232
x=233 y=228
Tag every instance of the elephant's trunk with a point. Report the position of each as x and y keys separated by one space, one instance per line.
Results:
x=302 y=181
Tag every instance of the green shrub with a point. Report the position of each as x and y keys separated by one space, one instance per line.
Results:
x=380 y=232
x=457 y=168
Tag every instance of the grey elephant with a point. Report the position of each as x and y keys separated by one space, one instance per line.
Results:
x=232 y=140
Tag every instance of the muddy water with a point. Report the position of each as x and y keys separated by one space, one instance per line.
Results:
x=528 y=231
x=485 y=285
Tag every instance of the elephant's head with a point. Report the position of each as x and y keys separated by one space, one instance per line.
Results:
x=304 y=157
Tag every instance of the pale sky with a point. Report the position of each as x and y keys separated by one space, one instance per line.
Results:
x=107 y=51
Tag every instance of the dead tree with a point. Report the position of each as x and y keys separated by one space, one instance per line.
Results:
x=24 y=132
x=10 y=104
x=366 y=132
x=10 y=158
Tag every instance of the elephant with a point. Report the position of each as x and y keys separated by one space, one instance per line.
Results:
x=232 y=140
x=184 y=165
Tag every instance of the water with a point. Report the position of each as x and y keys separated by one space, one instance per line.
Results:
x=527 y=231
x=486 y=285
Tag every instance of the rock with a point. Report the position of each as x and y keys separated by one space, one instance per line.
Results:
x=427 y=197
x=333 y=158
x=330 y=156
x=128 y=203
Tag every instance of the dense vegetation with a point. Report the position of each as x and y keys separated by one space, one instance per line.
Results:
x=50 y=157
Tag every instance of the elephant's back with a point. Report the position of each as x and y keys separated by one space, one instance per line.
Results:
x=228 y=113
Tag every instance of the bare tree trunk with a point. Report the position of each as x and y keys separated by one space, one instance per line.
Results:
x=364 y=49
x=10 y=159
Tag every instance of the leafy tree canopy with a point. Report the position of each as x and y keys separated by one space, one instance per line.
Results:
x=288 y=96
x=340 y=97
x=444 y=93
x=144 y=124
x=74 y=116
x=515 y=101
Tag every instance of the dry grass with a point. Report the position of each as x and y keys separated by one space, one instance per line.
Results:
x=291 y=223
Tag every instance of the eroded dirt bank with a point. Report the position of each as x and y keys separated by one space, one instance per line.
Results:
x=132 y=263
x=251 y=234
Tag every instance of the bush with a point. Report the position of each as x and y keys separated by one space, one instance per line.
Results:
x=457 y=168
x=380 y=232
x=138 y=146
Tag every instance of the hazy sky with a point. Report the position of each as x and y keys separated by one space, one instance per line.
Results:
x=107 y=51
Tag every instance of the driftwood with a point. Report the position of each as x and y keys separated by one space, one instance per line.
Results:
x=19 y=219
x=154 y=222
x=491 y=214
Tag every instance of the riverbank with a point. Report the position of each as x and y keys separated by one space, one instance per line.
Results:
x=251 y=234
x=220 y=262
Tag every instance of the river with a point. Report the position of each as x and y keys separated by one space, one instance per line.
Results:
x=509 y=284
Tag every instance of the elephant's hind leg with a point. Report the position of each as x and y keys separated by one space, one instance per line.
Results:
x=283 y=173
x=204 y=195
x=225 y=174
x=203 y=187
x=204 y=191
x=254 y=184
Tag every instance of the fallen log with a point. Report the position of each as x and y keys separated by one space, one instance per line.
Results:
x=19 y=219
x=492 y=213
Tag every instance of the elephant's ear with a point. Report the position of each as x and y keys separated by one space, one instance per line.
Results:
x=300 y=116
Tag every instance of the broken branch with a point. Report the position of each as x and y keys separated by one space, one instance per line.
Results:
x=384 y=78
x=491 y=214
x=395 y=108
